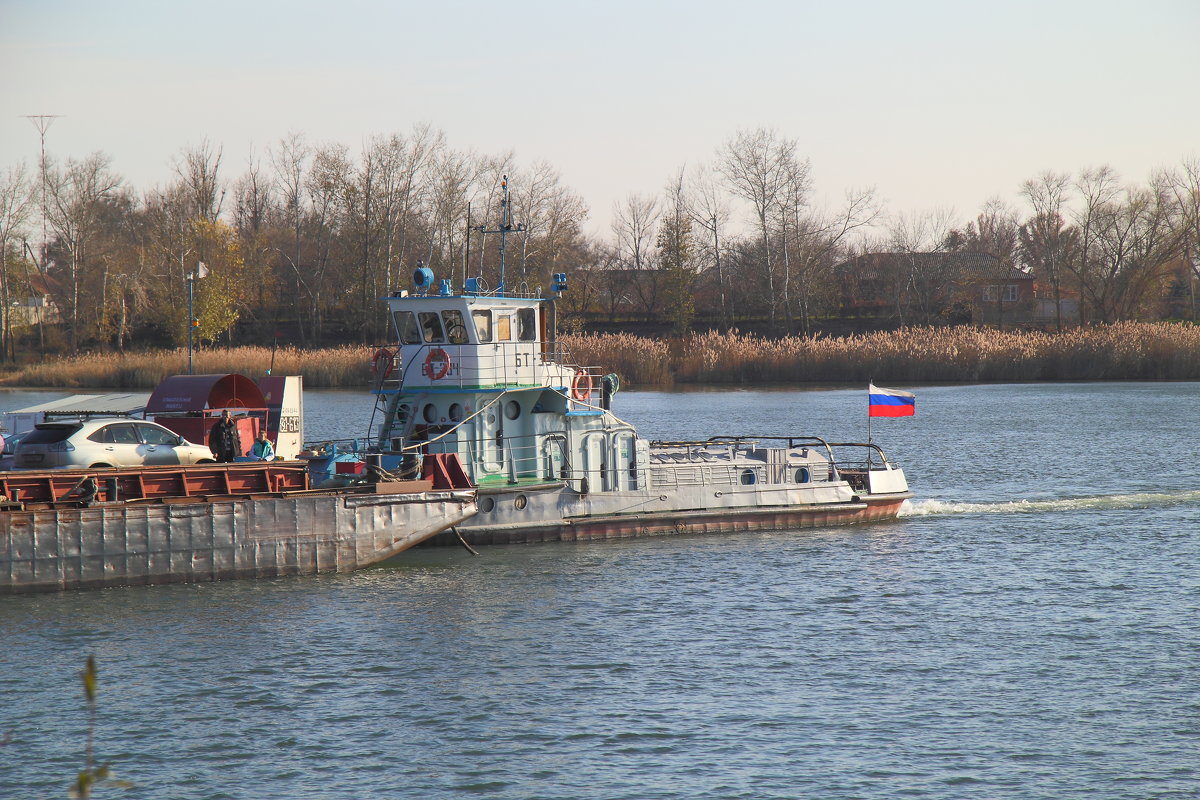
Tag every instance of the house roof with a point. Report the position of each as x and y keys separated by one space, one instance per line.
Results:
x=41 y=283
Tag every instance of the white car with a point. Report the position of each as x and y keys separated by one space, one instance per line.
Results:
x=93 y=443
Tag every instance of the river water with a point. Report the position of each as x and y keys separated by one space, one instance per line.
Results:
x=1030 y=628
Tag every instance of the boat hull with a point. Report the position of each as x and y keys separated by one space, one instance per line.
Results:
x=602 y=523
x=196 y=540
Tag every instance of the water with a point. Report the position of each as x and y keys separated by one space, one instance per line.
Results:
x=1026 y=630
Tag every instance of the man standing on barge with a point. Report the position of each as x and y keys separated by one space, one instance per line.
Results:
x=223 y=439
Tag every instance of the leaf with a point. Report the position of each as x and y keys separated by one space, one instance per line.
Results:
x=89 y=679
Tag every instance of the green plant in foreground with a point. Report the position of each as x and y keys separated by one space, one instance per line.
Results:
x=92 y=775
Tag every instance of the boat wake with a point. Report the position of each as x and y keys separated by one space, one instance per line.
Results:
x=931 y=508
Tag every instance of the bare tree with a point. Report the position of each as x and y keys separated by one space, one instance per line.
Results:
x=633 y=226
x=921 y=239
x=16 y=207
x=821 y=240
x=762 y=169
x=1098 y=189
x=707 y=206
x=551 y=215
x=1047 y=244
x=326 y=184
x=676 y=257
x=1184 y=185
x=77 y=195
x=198 y=170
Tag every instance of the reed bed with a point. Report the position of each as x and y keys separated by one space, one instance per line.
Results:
x=638 y=360
x=347 y=366
x=1122 y=351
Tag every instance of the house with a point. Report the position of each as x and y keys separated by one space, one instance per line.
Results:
x=938 y=287
x=38 y=306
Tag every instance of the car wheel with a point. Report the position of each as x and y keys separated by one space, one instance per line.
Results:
x=100 y=465
x=205 y=461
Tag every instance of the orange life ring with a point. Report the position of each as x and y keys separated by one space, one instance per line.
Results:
x=437 y=354
x=382 y=363
x=581 y=386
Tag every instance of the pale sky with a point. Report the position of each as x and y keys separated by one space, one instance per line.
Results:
x=935 y=104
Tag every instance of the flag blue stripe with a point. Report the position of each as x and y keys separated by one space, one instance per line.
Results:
x=892 y=400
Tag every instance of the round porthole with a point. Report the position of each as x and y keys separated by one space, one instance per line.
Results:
x=520 y=502
x=456 y=412
x=512 y=409
x=802 y=475
x=749 y=478
x=430 y=412
x=486 y=504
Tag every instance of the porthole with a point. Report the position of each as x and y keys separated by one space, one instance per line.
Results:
x=520 y=502
x=430 y=412
x=802 y=475
x=456 y=412
x=512 y=409
x=749 y=478
x=486 y=504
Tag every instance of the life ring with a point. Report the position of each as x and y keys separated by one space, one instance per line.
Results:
x=581 y=386
x=382 y=363
x=437 y=354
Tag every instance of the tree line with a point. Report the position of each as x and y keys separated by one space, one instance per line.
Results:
x=309 y=236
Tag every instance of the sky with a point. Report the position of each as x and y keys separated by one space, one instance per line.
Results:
x=936 y=105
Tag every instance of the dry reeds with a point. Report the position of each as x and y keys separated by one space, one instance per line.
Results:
x=332 y=367
x=638 y=360
x=1122 y=351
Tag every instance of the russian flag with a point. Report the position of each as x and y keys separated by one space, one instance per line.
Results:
x=891 y=402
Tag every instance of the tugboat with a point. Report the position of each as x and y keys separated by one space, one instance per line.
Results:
x=477 y=388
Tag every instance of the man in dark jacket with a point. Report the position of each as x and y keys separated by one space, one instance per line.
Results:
x=223 y=439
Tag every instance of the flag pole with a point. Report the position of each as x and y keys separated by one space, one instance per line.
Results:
x=870 y=383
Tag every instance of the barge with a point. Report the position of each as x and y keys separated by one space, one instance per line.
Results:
x=63 y=529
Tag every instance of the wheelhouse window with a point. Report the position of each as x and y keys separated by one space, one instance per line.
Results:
x=431 y=326
x=456 y=330
x=527 y=324
x=406 y=327
x=483 y=325
x=504 y=327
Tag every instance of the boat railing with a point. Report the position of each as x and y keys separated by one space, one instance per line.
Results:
x=865 y=452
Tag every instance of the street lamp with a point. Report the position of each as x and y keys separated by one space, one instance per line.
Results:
x=200 y=272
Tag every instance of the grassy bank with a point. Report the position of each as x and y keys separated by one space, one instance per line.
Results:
x=1124 y=351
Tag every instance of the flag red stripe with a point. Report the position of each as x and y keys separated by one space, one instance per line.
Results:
x=892 y=411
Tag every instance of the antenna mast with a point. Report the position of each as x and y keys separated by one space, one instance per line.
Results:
x=506 y=227
x=43 y=122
